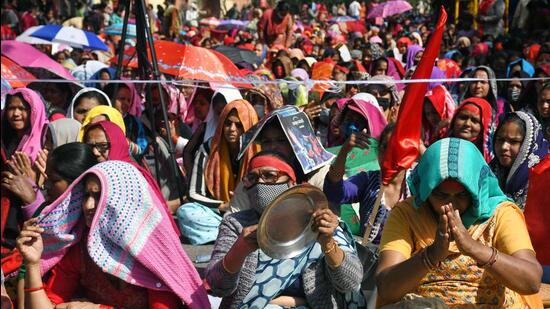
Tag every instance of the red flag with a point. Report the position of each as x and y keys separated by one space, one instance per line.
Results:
x=402 y=149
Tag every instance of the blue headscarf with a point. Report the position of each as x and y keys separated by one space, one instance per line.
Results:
x=525 y=67
x=460 y=160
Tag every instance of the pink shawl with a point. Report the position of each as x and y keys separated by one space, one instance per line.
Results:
x=368 y=109
x=142 y=249
x=31 y=143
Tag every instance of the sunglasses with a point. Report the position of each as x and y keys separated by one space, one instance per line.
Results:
x=267 y=176
x=101 y=147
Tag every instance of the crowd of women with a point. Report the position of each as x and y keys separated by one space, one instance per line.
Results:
x=93 y=214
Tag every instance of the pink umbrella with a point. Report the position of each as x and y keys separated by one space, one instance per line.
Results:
x=27 y=56
x=389 y=8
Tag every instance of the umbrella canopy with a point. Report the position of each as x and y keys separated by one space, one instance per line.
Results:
x=27 y=38
x=11 y=71
x=116 y=29
x=341 y=19
x=210 y=21
x=389 y=8
x=232 y=23
x=237 y=55
x=5 y=88
x=188 y=62
x=29 y=57
x=71 y=36
x=88 y=69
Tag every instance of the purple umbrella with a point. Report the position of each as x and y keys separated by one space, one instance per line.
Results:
x=231 y=24
x=342 y=19
x=27 y=56
x=389 y=8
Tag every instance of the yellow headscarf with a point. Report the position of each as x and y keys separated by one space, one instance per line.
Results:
x=111 y=113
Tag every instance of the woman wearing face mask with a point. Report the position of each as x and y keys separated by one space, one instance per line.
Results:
x=519 y=146
x=216 y=173
x=332 y=268
x=471 y=122
x=78 y=248
x=458 y=241
x=515 y=89
x=386 y=96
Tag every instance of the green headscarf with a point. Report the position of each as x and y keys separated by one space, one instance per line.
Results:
x=460 y=160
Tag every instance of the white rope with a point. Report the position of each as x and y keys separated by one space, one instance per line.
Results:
x=192 y=82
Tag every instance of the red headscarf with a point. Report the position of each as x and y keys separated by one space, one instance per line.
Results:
x=120 y=151
x=484 y=110
x=445 y=106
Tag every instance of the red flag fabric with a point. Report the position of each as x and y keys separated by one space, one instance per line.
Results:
x=402 y=150
x=537 y=212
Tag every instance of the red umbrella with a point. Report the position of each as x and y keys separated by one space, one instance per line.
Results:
x=189 y=62
x=12 y=71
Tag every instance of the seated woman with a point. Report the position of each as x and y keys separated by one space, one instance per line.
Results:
x=84 y=100
x=327 y=275
x=102 y=113
x=23 y=123
x=458 y=240
x=152 y=270
x=128 y=102
x=519 y=146
x=472 y=122
x=365 y=188
x=64 y=164
x=216 y=173
x=486 y=88
x=437 y=113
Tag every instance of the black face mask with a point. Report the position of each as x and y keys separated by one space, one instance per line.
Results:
x=384 y=103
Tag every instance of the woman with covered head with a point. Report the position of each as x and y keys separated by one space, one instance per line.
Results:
x=216 y=172
x=152 y=270
x=458 y=240
x=486 y=88
x=472 y=122
x=23 y=125
x=84 y=100
x=327 y=274
x=128 y=102
x=519 y=145
x=437 y=113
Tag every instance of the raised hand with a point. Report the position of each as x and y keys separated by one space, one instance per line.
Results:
x=439 y=250
x=360 y=139
x=325 y=222
x=29 y=243
x=20 y=164
x=20 y=186
x=313 y=110
x=463 y=239
x=248 y=241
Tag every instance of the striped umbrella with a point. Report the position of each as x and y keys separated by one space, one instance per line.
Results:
x=71 y=36
x=27 y=38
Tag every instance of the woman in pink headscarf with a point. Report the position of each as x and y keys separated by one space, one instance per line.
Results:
x=107 y=243
x=23 y=125
x=23 y=122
